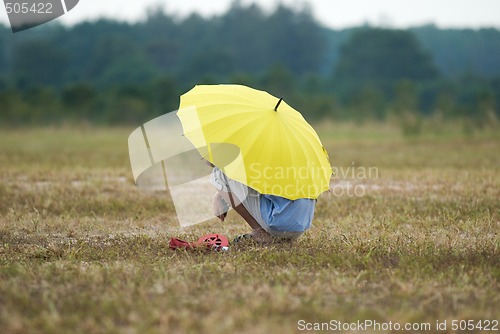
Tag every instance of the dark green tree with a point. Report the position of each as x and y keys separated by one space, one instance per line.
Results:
x=164 y=95
x=40 y=62
x=14 y=110
x=457 y=51
x=367 y=104
x=79 y=102
x=3 y=53
x=240 y=32
x=382 y=57
x=405 y=109
x=296 y=40
x=44 y=107
x=279 y=81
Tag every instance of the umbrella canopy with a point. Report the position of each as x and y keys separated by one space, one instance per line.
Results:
x=256 y=139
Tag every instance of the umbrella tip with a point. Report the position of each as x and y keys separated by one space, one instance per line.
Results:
x=277 y=105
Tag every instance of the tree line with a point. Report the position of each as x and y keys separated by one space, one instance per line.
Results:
x=113 y=72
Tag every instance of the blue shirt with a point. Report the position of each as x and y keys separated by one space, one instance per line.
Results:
x=284 y=215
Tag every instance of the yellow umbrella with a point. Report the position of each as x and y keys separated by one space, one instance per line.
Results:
x=272 y=148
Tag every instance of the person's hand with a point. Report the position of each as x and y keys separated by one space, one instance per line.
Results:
x=219 y=207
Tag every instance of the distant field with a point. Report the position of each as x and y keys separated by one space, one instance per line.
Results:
x=82 y=250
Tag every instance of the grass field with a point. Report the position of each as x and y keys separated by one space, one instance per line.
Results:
x=82 y=250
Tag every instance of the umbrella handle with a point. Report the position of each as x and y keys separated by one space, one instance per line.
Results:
x=278 y=104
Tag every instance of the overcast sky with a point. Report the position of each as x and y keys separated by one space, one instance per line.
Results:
x=332 y=13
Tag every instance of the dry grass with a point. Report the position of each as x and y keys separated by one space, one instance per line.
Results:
x=82 y=250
